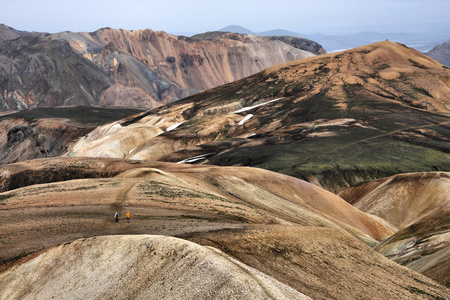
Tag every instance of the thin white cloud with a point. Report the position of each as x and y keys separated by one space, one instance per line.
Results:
x=205 y=15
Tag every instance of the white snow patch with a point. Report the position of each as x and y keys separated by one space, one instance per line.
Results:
x=195 y=158
x=246 y=118
x=174 y=126
x=254 y=106
x=338 y=50
x=131 y=150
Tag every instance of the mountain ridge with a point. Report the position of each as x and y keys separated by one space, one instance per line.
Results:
x=334 y=41
x=441 y=53
x=295 y=117
x=117 y=67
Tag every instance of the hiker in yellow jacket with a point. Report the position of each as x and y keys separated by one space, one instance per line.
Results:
x=128 y=216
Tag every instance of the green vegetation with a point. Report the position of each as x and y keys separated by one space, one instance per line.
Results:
x=417 y=65
x=423 y=91
x=5 y=197
x=57 y=188
x=415 y=290
x=352 y=152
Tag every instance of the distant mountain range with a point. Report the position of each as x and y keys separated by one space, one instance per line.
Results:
x=139 y=68
x=336 y=42
x=441 y=53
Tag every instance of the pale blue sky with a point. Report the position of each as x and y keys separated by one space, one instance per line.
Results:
x=195 y=16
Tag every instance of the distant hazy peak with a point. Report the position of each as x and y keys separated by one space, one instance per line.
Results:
x=237 y=29
x=8 y=33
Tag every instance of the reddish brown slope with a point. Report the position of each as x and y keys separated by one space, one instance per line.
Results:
x=323 y=263
x=153 y=67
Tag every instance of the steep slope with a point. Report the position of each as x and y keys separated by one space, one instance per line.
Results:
x=419 y=205
x=139 y=267
x=304 y=119
x=37 y=71
x=300 y=43
x=441 y=53
x=153 y=68
x=47 y=132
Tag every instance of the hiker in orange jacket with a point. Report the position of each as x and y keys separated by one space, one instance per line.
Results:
x=128 y=216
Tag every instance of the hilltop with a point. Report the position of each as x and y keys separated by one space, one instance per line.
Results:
x=335 y=120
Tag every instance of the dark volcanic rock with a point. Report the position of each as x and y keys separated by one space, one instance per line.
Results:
x=301 y=43
x=47 y=132
x=35 y=139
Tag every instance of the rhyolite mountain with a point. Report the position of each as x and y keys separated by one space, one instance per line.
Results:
x=441 y=53
x=334 y=120
x=9 y=33
x=140 y=68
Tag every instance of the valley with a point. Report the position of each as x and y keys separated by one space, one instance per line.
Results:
x=269 y=222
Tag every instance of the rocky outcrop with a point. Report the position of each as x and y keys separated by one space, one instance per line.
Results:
x=301 y=43
x=24 y=140
x=8 y=33
x=48 y=132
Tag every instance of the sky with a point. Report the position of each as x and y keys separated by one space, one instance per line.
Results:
x=196 y=16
